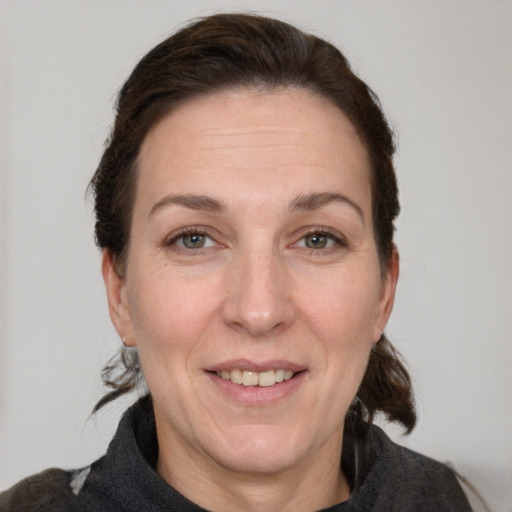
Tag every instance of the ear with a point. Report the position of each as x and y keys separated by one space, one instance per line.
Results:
x=117 y=295
x=387 y=297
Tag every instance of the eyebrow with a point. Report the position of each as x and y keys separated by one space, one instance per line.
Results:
x=303 y=202
x=316 y=200
x=192 y=201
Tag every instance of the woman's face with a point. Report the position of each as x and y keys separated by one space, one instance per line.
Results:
x=252 y=286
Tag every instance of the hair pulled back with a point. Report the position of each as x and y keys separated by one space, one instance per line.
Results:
x=226 y=51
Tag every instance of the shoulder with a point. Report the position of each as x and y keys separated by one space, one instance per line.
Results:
x=48 y=490
x=421 y=469
x=402 y=479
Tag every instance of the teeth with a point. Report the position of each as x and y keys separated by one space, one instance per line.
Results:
x=267 y=378
x=250 y=379
x=264 y=379
x=236 y=376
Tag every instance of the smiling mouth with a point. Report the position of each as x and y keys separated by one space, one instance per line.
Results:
x=262 y=379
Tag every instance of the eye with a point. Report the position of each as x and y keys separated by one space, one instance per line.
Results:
x=191 y=240
x=195 y=241
x=319 y=240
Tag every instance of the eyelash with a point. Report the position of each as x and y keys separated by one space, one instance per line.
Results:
x=181 y=233
x=338 y=239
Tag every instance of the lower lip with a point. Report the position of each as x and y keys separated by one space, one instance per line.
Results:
x=257 y=395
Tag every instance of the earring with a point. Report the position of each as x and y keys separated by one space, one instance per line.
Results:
x=124 y=341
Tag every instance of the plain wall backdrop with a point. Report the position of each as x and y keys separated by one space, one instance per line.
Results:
x=443 y=71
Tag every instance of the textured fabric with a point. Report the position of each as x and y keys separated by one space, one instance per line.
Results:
x=389 y=478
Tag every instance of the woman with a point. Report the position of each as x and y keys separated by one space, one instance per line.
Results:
x=245 y=207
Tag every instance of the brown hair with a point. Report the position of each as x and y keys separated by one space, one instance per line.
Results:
x=235 y=51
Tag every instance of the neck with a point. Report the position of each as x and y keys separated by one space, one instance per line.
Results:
x=311 y=484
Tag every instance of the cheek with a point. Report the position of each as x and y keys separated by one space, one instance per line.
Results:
x=168 y=318
x=168 y=313
x=343 y=308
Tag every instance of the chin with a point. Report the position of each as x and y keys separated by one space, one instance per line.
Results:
x=258 y=450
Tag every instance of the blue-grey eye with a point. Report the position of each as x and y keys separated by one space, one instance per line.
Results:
x=318 y=241
x=191 y=240
x=194 y=241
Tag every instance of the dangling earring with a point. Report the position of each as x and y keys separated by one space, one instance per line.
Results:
x=124 y=341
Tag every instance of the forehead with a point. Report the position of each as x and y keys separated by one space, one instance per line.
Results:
x=271 y=141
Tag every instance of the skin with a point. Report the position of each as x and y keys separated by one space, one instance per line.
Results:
x=278 y=281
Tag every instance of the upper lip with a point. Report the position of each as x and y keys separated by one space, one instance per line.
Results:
x=260 y=366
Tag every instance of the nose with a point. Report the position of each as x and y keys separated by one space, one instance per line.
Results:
x=259 y=301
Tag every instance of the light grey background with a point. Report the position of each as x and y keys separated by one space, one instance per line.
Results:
x=443 y=70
